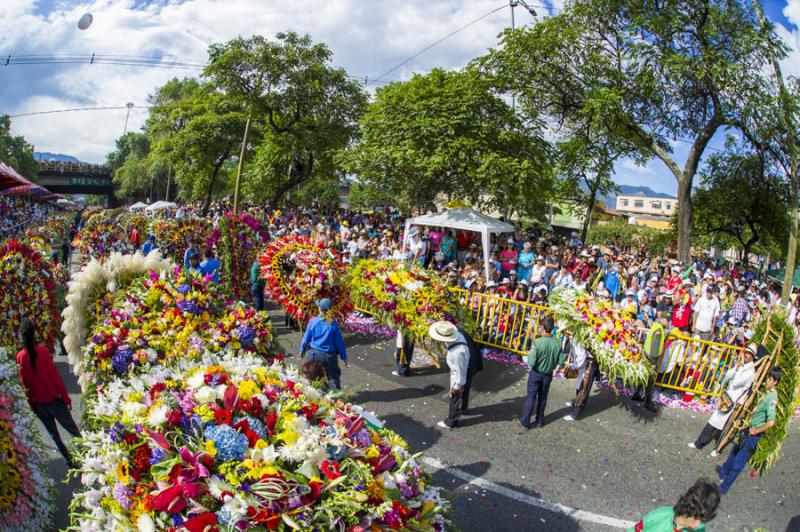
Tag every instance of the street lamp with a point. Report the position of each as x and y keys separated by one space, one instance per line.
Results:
x=513 y=4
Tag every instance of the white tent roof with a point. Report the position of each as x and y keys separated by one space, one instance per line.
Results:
x=463 y=218
x=136 y=206
x=160 y=205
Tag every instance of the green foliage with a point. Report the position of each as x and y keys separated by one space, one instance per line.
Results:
x=642 y=72
x=365 y=195
x=631 y=235
x=742 y=203
x=319 y=191
x=768 y=451
x=311 y=108
x=16 y=152
x=447 y=133
x=131 y=165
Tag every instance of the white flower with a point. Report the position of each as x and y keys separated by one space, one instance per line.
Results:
x=158 y=416
x=146 y=523
x=133 y=410
x=196 y=381
x=205 y=395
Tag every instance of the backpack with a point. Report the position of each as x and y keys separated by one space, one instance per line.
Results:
x=475 y=363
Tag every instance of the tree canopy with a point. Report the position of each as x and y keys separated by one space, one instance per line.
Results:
x=447 y=133
x=16 y=152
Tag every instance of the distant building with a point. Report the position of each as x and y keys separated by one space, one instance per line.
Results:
x=641 y=204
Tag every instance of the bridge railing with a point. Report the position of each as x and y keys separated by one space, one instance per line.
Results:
x=76 y=168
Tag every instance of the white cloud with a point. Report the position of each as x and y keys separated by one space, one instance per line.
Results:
x=367 y=38
x=631 y=165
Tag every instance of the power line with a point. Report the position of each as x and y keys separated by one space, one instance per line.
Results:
x=439 y=41
x=109 y=108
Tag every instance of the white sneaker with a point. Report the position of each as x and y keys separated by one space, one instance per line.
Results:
x=395 y=374
x=443 y=425
x=692 y=445
x=714 y=453
x=568 y=417
x=569 y=404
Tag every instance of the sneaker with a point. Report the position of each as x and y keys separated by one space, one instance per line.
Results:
x=395 y=374
x=714 y=453
x=692 y=445
x=568 y=417
x=526 y=427
x=443 y=425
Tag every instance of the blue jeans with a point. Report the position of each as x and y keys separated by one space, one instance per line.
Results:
x=736 y=461
x=258 y=297
x=331 y=362
x=538 y=387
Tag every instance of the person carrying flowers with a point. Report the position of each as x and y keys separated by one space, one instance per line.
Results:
x=323 y=342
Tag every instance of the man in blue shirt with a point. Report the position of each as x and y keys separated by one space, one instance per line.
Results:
x=210 y=266
x=323 y=342
x=150 y=245
x=191 y=259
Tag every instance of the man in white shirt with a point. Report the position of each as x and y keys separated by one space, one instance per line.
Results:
x=706 y=312
x=458 y=362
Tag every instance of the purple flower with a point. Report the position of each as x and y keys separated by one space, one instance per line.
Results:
x=121 y=360
x=123 y=494
x=184 y=288
x=117 y=432
x=246 y=335
x=189 y=307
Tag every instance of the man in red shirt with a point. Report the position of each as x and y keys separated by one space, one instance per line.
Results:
x=682 y=311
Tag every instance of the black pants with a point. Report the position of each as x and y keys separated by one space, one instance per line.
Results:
x=403 y=356
x=458 y=404
x=258 y=296
x=709 y=433
x=582 y=395
x=49 y=413
x=538 y=387
x=648 y=391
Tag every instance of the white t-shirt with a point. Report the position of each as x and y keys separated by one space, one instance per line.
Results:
x=707 y=309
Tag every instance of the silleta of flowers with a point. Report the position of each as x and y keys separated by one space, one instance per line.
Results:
x=237 y=239
x=299 y=272
x=28 y=291
x=160 y=318
x=237 y=445
x=176 y=236
x=26 y=490
x=608 y=332
x=404 y=296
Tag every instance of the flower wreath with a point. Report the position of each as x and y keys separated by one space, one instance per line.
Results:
x=299 y=273
x=29 y=290
x=608 y=332
x=26 y=490
x=236 y=444
x=238 y=239
x=90 y=284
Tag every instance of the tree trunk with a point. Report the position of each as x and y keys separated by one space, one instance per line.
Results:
x=684 y=220
x=207 y=203
x=298 y=173
x=791 y=253
x=587 y=220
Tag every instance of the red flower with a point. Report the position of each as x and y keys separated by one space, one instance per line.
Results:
x=330 y=468
x=170 y=500
x=174 y=417
x=202 y=523
x=270 y=421
x=223 y=416
x=402 y=510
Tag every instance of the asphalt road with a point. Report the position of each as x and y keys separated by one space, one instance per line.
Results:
x=614 y=465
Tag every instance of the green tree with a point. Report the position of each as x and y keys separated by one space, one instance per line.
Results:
x=311 y=108
x=743 y=201
x=130 y=165
x=365 y=195
x=16 y=152
x=648 y=72
x=447 y=133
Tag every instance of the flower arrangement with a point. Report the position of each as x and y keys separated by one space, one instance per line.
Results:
x=405 y=296
x=161 y=318
x=41 y=245
x=28 y=291
x=299 y=272
x=176 y=236
x=100 y=239
x=237 y=445
x=26 y=490
x=608 y=332
x=238 y=239
x=93 y=283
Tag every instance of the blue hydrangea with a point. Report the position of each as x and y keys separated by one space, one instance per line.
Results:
x=189 y=307
x=230 y=444
x=121 y=360
x=184 y=288
x=247 y=336
x=256 y=425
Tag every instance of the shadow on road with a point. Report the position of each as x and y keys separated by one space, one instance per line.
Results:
x=399 y=394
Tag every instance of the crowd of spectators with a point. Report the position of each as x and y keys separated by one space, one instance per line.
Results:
x=17 y=214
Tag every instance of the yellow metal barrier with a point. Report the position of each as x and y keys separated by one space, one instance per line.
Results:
x=686 y=364
x=693 y=365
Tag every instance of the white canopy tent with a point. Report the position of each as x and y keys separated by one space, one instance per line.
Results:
x=464 y=219
x=137 y=206
x=160 y=206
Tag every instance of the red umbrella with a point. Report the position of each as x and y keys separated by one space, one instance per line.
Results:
x=11 y=178
x=21 y=190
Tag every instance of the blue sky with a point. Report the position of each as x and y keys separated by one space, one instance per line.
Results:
x=368 y=37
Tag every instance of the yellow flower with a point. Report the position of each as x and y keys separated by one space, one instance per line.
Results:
x=204 y=412
x=248 y=389
x=210 y=449
x=123 y=472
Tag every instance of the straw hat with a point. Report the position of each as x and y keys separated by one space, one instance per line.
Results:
x=443 y=331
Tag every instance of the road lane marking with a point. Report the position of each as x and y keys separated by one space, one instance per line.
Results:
x=524 y=498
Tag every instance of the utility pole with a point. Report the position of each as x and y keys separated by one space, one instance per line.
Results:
x=129 y=105
x=169 y=178
x=239 y=170
x=512 y=4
